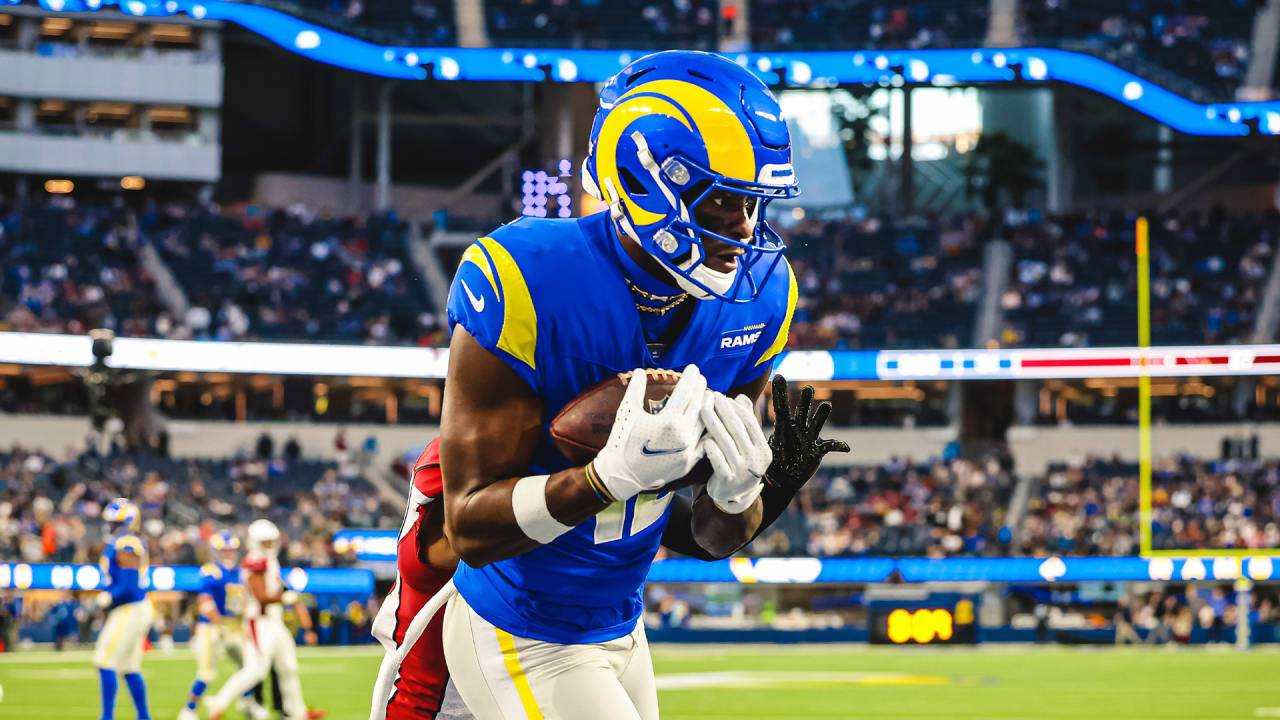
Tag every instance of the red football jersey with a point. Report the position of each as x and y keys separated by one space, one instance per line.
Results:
x=420 y=684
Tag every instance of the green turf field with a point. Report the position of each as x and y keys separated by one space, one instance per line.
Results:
x=721 y=682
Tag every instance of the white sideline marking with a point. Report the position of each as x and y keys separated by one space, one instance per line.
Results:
x=1267 y=712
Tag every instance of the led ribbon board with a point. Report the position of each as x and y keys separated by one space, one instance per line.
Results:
x=938 y=67
x=380 y=546
x=807 y=365
x=54 y=576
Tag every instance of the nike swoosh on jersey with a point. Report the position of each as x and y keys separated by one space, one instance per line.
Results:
x=644 y=450
x=476 y=302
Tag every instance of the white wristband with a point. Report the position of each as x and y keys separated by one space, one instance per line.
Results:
x=529 y=503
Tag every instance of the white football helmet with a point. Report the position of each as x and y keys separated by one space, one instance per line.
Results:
x=264 y=537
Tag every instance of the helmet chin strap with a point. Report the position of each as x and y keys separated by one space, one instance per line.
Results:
x=718 y=283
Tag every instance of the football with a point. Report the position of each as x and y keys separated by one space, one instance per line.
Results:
x=582 y=427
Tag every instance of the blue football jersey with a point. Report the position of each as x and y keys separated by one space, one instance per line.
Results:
x=215 y=580
x=124 y=584
x=549 y=297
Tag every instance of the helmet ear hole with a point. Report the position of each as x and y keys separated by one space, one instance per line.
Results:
x=632 y=184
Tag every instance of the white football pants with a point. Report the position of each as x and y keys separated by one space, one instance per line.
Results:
x=119 y=644
x=504 y=677
x=267 y=645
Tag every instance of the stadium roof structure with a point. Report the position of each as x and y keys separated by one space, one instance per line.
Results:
x=889 y=67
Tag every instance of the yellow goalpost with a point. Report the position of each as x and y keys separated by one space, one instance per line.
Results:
x=1141 y=248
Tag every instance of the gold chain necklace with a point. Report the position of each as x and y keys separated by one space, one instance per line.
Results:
x=671 y=300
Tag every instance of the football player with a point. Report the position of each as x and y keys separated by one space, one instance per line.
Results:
x=220 y=600
x=681 y=272
x=268 y=643
x=129 y=612
x=413 y=683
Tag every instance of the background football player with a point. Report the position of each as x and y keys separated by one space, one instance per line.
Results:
x=129 y=612
x=217 y=633
x=687 y=149
x=268 y=643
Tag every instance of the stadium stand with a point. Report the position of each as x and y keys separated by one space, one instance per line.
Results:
x=602 y=24
x=1203 y=41
x=1091 y=507
x=874 y=284
x=49 y=506
x=826 y=24
x=937 y=508
x=291 y=275
x=260 y=274
x=1075 y=279
x=70 y=268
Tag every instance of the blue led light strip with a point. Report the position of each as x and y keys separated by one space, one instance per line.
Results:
x=938 y=67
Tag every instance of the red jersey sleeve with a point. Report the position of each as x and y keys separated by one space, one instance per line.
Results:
x=254 y=563
x=427 y=478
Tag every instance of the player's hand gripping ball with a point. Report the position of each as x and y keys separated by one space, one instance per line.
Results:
x=797 y=449
x=582 y=428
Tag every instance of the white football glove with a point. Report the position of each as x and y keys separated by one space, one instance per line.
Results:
x=102 y=599
x=648 y=450
x=736 y=446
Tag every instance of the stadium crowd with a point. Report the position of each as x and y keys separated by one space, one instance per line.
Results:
x=50 y=504
x=939 y=508
x=829 y=24
x=1204 y=41
x=253 y=274
x=873 y=283
x=1090 y=507
x=1074 y=279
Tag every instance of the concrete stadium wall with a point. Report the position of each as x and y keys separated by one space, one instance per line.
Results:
x=1034 y=448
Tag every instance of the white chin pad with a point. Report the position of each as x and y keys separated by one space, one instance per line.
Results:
x=717 y=282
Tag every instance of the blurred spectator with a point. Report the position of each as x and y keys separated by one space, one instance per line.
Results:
x=182 y=503
x=1092 y=508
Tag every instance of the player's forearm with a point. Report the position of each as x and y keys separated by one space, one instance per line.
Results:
x=482 y=527
x=719 y=533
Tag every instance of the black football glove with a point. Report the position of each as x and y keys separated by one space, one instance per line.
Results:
x=797 y=449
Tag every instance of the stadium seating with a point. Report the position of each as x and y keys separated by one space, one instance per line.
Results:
x=938 y=508
x=658 y=24
x=1091 y=508
x=49 y=508
x=260 y=275
x=1075 y=279
x=289 y=275
x=1202 y=41
x=831 y=24
x=876 y=285
x=69 y=268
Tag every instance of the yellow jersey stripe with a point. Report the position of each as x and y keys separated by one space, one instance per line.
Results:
x=511 y=659
x=780 y=342
x=474 y=254
x=519 y=336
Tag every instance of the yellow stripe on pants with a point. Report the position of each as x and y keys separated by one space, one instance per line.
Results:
x=109 y=649
x=511 y=659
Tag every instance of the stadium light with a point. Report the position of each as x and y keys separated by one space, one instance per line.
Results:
x=58 y=187
x=132 y=182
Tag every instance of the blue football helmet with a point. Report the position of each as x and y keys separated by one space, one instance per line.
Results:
x=224 y=540
x=120 y=513
x=671 y=129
